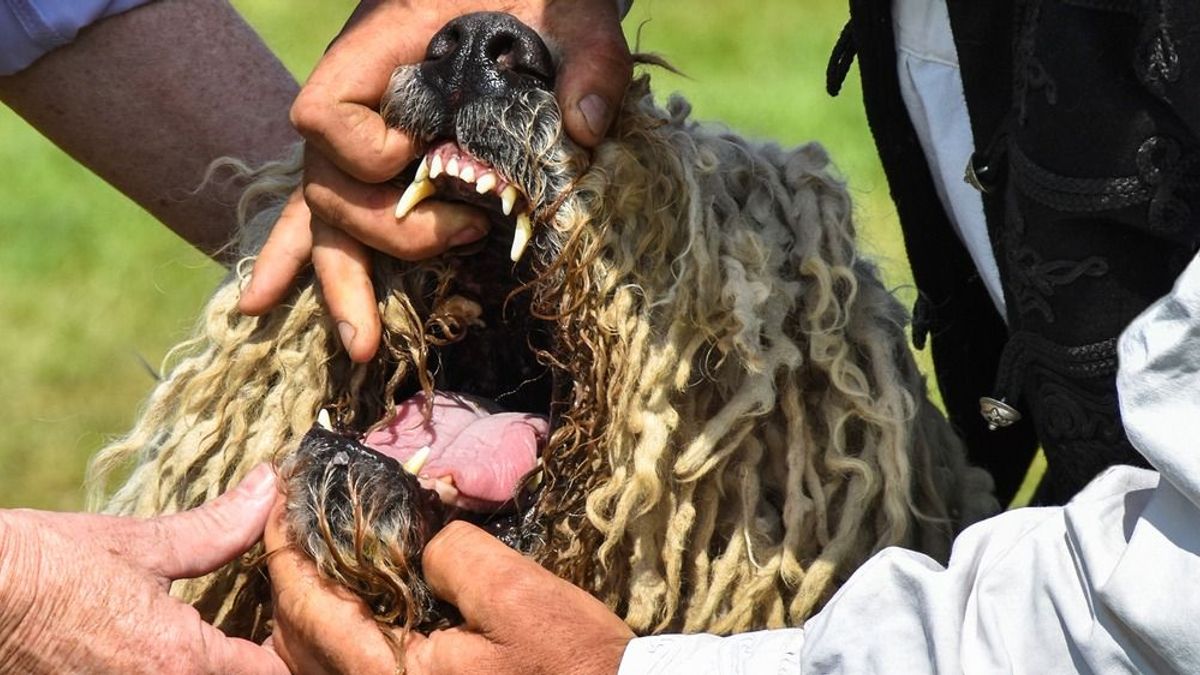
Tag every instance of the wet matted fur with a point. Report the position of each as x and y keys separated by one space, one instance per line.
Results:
x=737 y=421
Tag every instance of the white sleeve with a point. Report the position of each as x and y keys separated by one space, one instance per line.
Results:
x=31 y=28
x=776 y=652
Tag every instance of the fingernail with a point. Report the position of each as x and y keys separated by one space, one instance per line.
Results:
x=347 y=332
x=260 y=482
x=595 y=113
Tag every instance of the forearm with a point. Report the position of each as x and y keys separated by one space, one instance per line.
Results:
x=149 y=98
x=15 y=598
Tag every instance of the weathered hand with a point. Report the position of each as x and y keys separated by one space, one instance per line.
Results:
x=88 y=593
x=351 y=152
x=518 y=618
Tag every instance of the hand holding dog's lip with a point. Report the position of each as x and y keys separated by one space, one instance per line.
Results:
x=353 y=151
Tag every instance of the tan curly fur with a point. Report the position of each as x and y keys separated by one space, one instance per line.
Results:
x=744 y=424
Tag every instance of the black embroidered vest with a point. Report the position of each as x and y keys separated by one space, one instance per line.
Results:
x=1085 y=118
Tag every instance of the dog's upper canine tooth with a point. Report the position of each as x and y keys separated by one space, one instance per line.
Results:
x=452 y=167
x=418 y=460
x=467 y=174
x=521 y=235
x=507 y=199
x=415 y=193
x=485 y=183
x=422 y=170
x=435 y=166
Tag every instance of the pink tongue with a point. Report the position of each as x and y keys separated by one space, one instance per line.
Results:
x=485 y=453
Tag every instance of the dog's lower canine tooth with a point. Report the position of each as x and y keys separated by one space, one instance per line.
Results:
x=414 y=194
x=521 y=236
x=323 y=420
x=507 y=199
x=418 y=460
x=485 y=183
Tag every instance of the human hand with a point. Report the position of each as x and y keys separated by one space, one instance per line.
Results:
x=351 y=151
x=518 y=618
x=88 y=593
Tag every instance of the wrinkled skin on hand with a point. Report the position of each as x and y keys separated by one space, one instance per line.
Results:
x=517 y=617
x=83 y=593
x=350 y=152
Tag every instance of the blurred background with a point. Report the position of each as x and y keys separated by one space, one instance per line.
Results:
x=93 y=292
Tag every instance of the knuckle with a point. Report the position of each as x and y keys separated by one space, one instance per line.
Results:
x=305 y=114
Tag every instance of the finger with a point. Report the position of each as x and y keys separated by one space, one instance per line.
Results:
x=287 y=250
x=196 y=542
x=595 y=69
x=454 y=561
x=343 y=267
x=453 y=650
x=367 y=213
x=238 y=657
x=319 y=625
x=336 y=109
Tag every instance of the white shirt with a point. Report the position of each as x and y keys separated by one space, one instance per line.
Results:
x=932 y=90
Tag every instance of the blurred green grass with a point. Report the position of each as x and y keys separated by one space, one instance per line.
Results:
x=92 y=289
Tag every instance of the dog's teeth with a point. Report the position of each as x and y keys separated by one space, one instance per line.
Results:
x=435 y=166
x=418 y=460
x=452 y=167
x=521 y=236
x=467 y=174
x=507 y=199
x=415 y=193
x=485 y=183
x=323 y=420
x=422 y=170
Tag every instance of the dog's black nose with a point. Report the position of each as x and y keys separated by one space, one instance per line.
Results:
x=486 y=54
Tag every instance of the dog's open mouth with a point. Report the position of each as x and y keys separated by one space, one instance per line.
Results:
x=451 y=173
x=468 y=439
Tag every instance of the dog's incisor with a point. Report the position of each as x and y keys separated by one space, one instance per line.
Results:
x=735 y=421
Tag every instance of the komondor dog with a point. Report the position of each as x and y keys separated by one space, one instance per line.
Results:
x=667 y=374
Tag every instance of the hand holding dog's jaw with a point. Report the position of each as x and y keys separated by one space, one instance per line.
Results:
x=518 y=618
x=88 y=593
x=352 y=152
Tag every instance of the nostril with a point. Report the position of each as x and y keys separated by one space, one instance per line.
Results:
x=499 y=50
x=443 y=44
x=512 y=53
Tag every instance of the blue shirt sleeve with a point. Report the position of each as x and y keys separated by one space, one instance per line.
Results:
x=31 y=28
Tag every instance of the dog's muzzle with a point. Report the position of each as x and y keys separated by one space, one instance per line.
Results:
x=485 y=55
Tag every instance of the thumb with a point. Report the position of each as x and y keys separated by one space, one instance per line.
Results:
x=199 y=541
x=595 y=70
